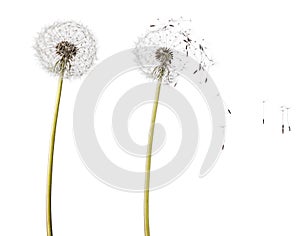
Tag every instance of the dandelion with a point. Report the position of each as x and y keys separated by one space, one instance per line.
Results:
x=68 y=50
x=159 y=54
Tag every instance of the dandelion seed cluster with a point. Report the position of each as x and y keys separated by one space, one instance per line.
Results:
x=164 y=56
x=66 y=50
x=66 y=45
x=160 y=49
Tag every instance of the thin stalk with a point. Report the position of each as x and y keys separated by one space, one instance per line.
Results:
x=50 y=161
x=148 y=158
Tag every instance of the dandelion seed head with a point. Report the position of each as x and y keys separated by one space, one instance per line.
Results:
x=66 y=45
x=164 y=55
x=66 y=50
x=159 y=51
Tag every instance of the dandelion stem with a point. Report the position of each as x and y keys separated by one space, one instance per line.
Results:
x=51 y=151
x=148 y=158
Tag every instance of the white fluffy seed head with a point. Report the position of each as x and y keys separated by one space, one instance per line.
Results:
x=69 y=44
x=163 y=46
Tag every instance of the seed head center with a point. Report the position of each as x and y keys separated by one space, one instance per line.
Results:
x=164 y=55
x=66 y=50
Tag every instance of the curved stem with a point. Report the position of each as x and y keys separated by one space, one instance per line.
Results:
x=50 y=161
x=148 y=159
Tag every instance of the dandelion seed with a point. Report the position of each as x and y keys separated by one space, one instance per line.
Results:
x=66 y=49
x=225 y=104
x=200 y=67
x=263 y=102
x=287 y=117
x=282 y=119
x=223 y=130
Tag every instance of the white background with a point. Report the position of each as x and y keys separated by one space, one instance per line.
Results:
x=253 y=189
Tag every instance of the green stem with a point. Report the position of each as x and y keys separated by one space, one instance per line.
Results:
x=148 y=158
x=50 y=161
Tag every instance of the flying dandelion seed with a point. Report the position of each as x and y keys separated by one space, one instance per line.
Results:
x=66 y=49
x=223 y=129
x=282 y=119
x=287 y=118
x=162 y=46
x=263 y=111
x=225 y=105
